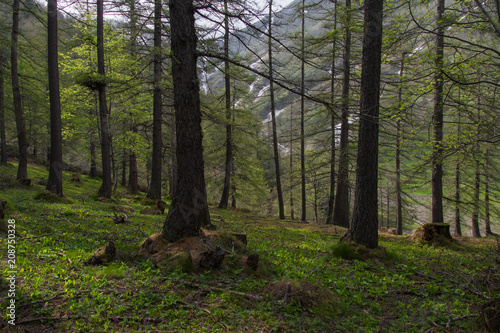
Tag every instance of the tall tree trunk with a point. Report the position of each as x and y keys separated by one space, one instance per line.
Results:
x=124 y=168
x=399 y=132
x=437 y=156
x=333 y=123
x=173 y=157
x=458 y=228
x=156 y=165
x=364 y=224
x=54 y=183
x=292 y=211
x=3 y=140
x=22 y=168
x=133 y=175
x=106 y=185
x=133 y=182
x=475 y=208
x=302 y=115
x=281 y=205
x=229 y=137
x=189 y=208
x=93 y=161
x=487 y=218
x=341 y=209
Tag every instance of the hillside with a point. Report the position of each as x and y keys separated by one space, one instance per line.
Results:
x=302 y=284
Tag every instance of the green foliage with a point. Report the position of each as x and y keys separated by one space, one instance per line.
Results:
x=413 y=289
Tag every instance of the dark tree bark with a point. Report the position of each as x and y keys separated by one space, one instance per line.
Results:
x=364 y=224
x=156 y=164
x=22 y=169
x=229 y=136
x=189 y=208
x=173 y=158
x=281 y=205
x=341 y=209
x=333 y=123
x=133 y=175
x=133 y=182
x=302 y=115
x=399 y=132
x=106 y=186
x=124 y=168
x=458 y=228
x=292 y=210
x=477 y=182
x=487 y=218
x=3 y=140
x=93 y=162
x=437 y=163
x=54 y=183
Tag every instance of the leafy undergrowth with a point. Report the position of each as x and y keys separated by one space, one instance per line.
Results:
x=411 y=288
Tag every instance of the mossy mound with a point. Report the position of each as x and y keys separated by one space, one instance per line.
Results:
x=351 y=251
x=192 y=253
x=433 y=234
x=48 y=196
x=317 y=299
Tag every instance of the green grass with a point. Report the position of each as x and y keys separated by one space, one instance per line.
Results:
x=414 y=289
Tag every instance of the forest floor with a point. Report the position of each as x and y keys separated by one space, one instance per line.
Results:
x=304 y=283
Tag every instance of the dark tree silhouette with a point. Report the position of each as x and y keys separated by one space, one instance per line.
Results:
x=341 y=208
x=437 y=156
x=189 y=208
x=364 y=223
x=229 y=127
x=3 y=142
x=156 y=163
x=281 y=204
x=22 y=168
x=106 y=186
x=54 y=183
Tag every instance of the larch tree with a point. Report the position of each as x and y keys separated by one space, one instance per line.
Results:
x=189 y=208
x=333 y=122
x=106 y=185
x=133 y=173
x=228 y=170
x=437 y=156
x=22 y=168
x=55 y=182
x=3 y=140
x=364 y=223
x=302 y=115
x=156 y=161
x=281 y=204
x=341 y=208
x=399 y=132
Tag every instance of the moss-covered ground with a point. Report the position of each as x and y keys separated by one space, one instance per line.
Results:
x=408 y=288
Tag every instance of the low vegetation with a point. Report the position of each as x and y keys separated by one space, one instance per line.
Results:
x=305 y=282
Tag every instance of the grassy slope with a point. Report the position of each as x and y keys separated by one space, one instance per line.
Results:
x=418 y=290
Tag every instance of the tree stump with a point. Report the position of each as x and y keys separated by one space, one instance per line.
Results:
x=240 y=236
x=212 y=258
x=432 y=233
